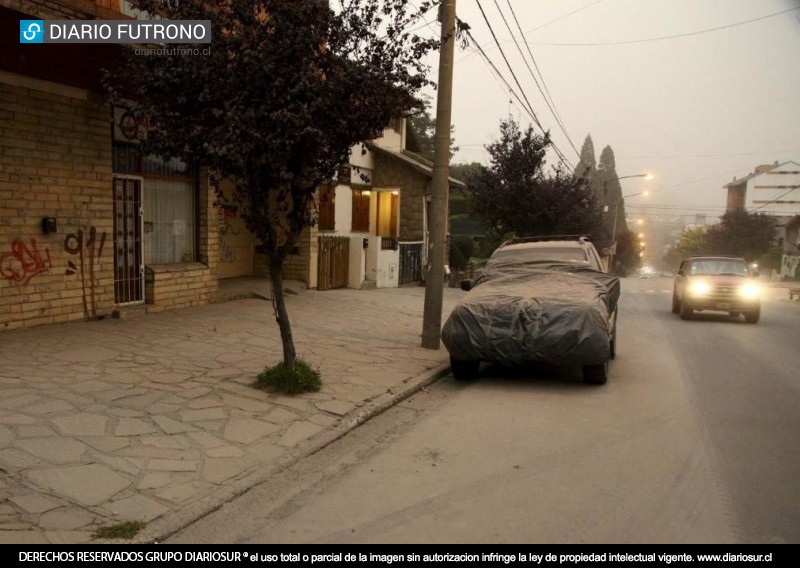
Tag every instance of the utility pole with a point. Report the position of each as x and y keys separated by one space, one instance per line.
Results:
x=440 y=184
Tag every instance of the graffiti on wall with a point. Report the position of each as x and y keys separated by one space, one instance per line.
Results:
x=23 y=262
x=86 y=246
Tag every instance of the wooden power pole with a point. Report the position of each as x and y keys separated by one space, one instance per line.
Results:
x=440 y=186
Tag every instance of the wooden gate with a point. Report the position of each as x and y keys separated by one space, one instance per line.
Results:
x=334 y=259
x=410 y=262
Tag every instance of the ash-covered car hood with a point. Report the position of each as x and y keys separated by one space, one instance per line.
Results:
x=521 y=311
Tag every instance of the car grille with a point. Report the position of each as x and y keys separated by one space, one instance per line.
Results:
x=724 y=293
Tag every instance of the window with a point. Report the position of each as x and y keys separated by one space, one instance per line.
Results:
x=361 y=198
x=387 y=214
x=169 y=187
x=169 y=221
x=326 y=207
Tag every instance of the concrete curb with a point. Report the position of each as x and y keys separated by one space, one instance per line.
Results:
x=170 y=524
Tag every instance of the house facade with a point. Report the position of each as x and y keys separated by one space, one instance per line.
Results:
x=90 y=227
x=773 y=189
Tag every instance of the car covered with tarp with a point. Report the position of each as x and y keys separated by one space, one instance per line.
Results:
x=538 y=299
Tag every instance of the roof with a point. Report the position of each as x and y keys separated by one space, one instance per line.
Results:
x=417 y=163
x=757 y=173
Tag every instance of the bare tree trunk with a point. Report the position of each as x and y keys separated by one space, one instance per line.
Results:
x=281 y=315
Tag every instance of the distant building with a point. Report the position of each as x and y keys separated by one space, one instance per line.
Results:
x=772 y=189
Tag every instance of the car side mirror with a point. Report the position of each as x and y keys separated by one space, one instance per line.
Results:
x=467 y=285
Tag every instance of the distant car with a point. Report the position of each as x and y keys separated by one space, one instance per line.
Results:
x=538 y=299
x=716 y=283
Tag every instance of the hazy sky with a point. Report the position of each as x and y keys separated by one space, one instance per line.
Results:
x=694 y=110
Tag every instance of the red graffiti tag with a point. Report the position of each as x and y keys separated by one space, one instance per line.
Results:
x=23 y=263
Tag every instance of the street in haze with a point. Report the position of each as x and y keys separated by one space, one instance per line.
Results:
x=693 y=439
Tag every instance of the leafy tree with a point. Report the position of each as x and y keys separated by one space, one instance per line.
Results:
x=288 y=89
x=516 y=195
x=423 y=132
x=749 y=235
x=691 y=243
x=626 y=259
x=465 y=172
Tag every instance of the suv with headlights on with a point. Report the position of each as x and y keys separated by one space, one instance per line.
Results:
x=716 y=283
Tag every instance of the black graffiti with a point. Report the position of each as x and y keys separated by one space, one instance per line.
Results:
x=86 y=246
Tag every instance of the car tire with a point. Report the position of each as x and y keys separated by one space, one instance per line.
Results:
x=595 y=374
x=686 y=311
x=754 y=316
x=676 y=305
x=613 y=343
x=464 y=370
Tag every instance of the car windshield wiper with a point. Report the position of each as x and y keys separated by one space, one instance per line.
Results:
x=730 y=274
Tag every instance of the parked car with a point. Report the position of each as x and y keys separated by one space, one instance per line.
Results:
x=538 y=299
x=716 y=283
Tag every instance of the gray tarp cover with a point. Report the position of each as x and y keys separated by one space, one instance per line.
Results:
x=534 y=311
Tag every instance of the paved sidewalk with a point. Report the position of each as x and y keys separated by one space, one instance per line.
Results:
x=154 y=419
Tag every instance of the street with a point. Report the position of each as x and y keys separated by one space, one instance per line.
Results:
x=693 y=439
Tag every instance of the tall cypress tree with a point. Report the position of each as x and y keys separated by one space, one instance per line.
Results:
x=588 y=163
x=608 y=190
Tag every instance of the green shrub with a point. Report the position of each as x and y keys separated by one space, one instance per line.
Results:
x=461 y=249
x=125 y=530
x=291 y=380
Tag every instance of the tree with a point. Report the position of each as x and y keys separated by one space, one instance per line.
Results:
x=691 y=243
x=588 y=164
x=749 y=235
x=423 y=132
x=627 y=258
x=608 y=190
x=287 y=90
x=515 y=194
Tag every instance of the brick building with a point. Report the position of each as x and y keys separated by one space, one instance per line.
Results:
x=87 y=224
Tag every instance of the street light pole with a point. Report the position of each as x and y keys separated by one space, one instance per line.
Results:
x=616 y=214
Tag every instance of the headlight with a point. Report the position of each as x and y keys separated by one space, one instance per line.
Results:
x=749 y=291
x=699 y=288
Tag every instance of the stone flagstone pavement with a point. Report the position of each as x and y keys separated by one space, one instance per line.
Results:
x=154 y=419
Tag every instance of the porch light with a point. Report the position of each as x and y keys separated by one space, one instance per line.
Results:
x=395 y=192
x=366 y=192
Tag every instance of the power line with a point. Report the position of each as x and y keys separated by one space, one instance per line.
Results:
x=533 y=75
x=777 y=198
x=543 y=25
x=676 y=36
x=676 y=156
x=519 y=86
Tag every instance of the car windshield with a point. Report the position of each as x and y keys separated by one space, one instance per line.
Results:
x=718 y=267
x=543 y=254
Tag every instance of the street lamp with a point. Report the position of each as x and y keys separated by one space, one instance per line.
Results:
x=648 y=176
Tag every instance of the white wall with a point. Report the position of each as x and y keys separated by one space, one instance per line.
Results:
x=355 y=270
x=388 y=270
x=776 y=185
x=343 y=216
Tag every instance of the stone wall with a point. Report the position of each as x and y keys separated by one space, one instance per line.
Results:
x=391 y=173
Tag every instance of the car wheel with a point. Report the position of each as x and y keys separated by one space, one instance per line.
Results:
x=464 y=370
x=686 y=311
x=734 y=314
x=753 y=317
x=676 y=305
x=613 y=344
x=595 y=374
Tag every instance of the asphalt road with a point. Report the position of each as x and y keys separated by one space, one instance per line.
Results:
x=696 y=438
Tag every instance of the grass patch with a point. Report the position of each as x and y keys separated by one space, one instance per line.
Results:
x=125 y=530
x=290 y=380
